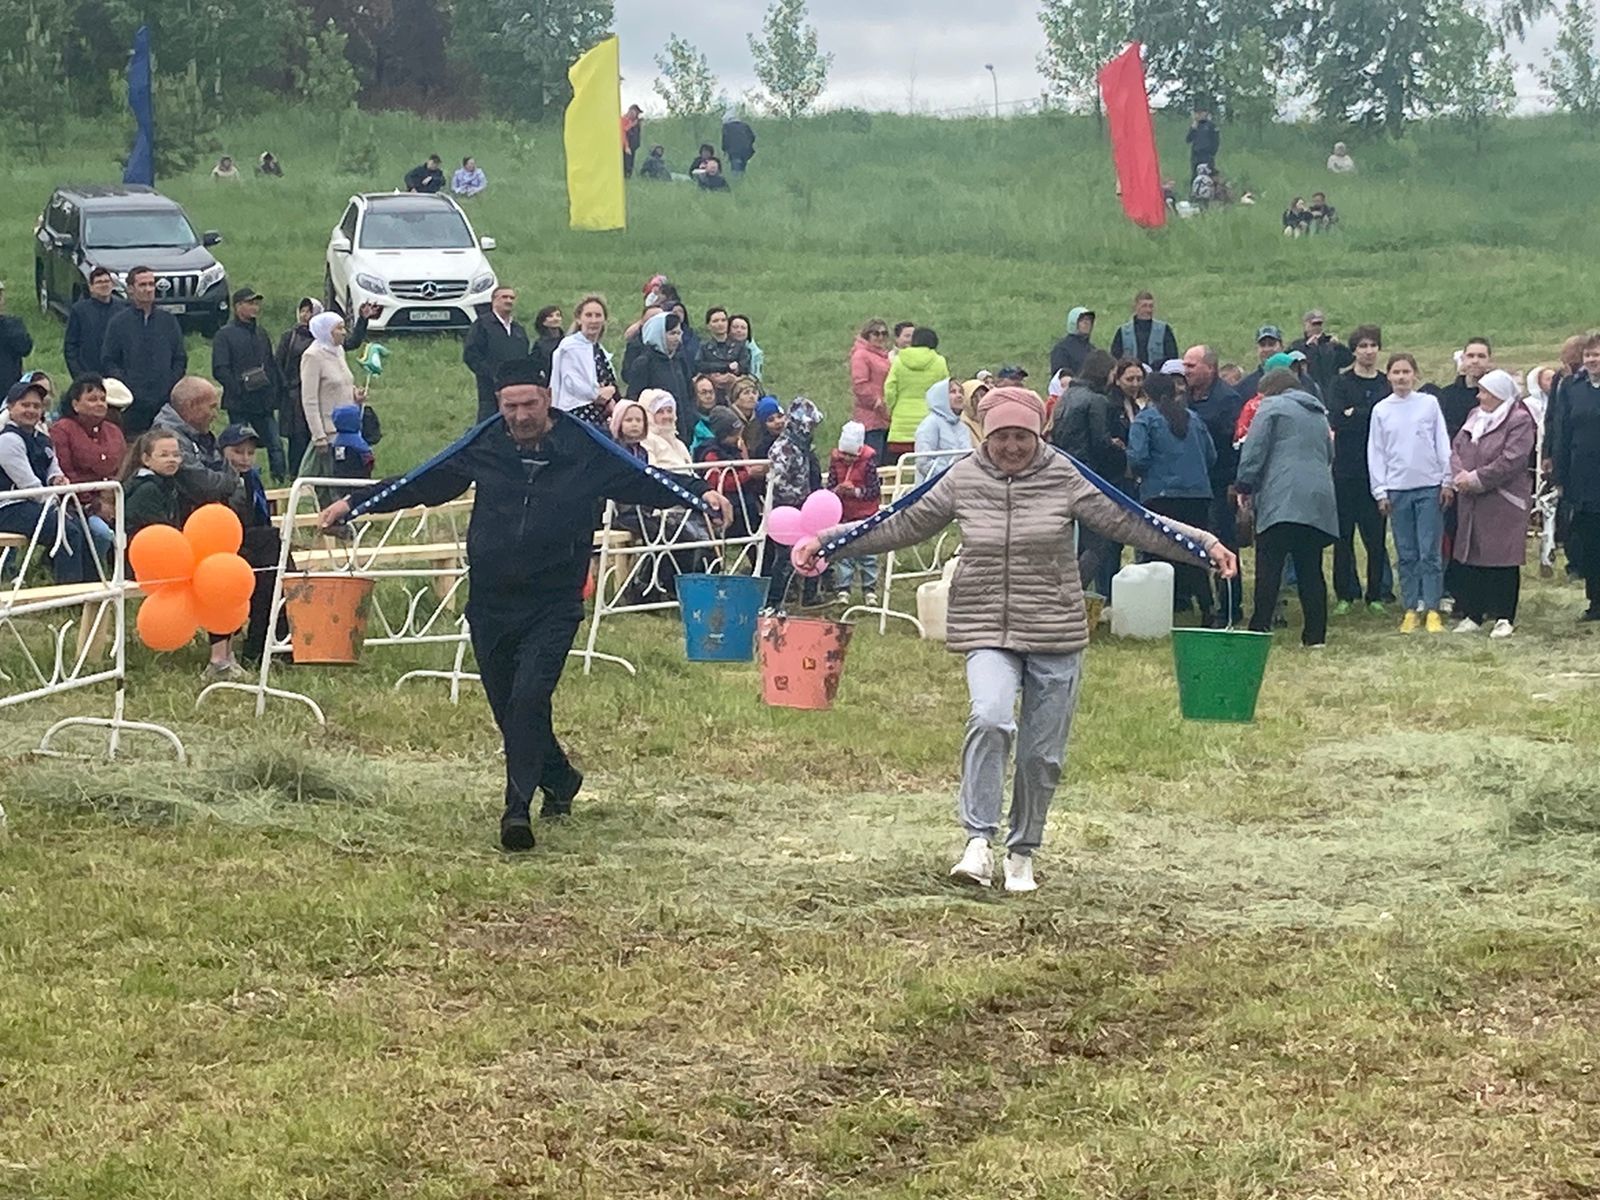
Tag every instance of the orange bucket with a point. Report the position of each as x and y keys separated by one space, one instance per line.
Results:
x=802 y=660
x=327 y=617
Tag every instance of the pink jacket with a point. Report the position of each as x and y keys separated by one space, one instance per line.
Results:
x=1492 y=509
x=869 y=367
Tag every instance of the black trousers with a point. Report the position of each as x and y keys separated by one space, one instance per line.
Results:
x=521 y=654
x=1583 y=548
x=1358 y=511
x=1304 y=545
x=1487 y=594
x=260 y=549
x=1190 y=581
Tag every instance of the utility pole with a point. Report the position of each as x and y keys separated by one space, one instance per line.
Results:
x=989 y=67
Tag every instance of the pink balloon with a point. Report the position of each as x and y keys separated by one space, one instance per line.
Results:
x=785 y=526
x=811 y=572
x=822 y=510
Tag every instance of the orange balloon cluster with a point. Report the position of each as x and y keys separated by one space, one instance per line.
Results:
x=195 y=579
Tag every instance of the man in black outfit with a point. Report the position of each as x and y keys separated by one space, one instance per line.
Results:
x=427 y=178
x=86 y=324
x=252 y=384
x=1218 y=405
x=16 y=343
x=494 y=338
x=1356 y=390
x=1325 y=354
x=144 y=348
x=1204 y=142
x=540 y=479
x=1458 y=399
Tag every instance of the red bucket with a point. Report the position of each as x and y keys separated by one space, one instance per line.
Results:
x=802 y=660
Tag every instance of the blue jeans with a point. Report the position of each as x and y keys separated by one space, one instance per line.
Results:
x=1418 y=524
x=846 y=570
x=70 y=564
x=104 y=540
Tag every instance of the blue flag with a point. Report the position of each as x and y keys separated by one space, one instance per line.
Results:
x=141 y=166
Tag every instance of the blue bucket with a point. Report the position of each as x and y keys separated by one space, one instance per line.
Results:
x=719 y=616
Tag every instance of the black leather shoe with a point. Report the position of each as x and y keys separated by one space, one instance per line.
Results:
x=516 y=831
x=558 y=800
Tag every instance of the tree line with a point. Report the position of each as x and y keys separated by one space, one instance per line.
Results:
x=1375 y=63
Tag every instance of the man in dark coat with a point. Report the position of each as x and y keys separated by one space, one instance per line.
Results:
x=144 y=348
x=1204 y=142
x=495 y=338
x=1574 y=453
x=1093 y=428
x=1325 y=354
x=16 y=343
x=1218 y=405
x=540 y=479
x=1068 y=354
x=86 y=324
x=1458 y=399
x=738 y=141
x=427 y=177
x=252 y=385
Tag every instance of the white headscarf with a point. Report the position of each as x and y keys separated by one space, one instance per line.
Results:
x=1503 y=388
x=322 y=327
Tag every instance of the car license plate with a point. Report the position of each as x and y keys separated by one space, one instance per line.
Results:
x=171 y=308
x=430 y=316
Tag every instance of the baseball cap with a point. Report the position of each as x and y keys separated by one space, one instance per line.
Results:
x=1269 y=331
x=1316 y=314
x=1010 y=371
x=22 y=387
x=246 y=293
x=237 y=435
x=1297 y=356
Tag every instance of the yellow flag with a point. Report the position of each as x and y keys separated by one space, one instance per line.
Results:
x=594 y=140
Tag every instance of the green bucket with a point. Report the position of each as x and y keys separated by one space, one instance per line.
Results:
x=1220 y=672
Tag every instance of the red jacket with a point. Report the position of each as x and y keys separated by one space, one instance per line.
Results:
x=854 y=479
x=87 y=457
x=1247 y=416
x=869 y=367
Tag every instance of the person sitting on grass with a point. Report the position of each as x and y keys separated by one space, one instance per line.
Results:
x=469 y=179
x=1296 y=218
x=853 y=477
x=1340 y=162
x=268 y=164
x=225 y=169
x=655 y=165
x=1016 y=612
x=710 y=177
x=427 y=177
x=1323 y=215
x=1408 y=464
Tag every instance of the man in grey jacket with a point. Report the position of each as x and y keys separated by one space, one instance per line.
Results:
x=203 y=478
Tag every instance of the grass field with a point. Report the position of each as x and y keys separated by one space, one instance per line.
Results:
x=1348 y=951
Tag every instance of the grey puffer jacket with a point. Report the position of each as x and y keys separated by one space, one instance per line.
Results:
x=1017 y=585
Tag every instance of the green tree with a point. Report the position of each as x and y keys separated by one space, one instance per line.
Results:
x=686 y=83
x=520 y=50
x=327 y=80
x=1573 y=75
x=33 y=89
x=1467 y=77
x=358 y=144
x=1365 y=58
x=791 y=70
x=1247 y=80
x=1080 y=37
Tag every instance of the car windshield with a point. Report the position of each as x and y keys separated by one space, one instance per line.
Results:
x=138 y=230
x=415 y=229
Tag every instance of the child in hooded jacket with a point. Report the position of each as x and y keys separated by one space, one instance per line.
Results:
x=853 y=477
x=351 y=452
x=796 y=473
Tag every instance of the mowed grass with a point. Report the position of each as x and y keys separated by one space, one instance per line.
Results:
x=1347 y=951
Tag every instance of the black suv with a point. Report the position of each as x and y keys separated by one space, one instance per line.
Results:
x=122 y=227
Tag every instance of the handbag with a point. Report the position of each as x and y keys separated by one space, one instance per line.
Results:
x=371 y=427
x=254 y=379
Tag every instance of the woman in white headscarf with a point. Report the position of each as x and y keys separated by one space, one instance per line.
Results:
x=662 y=444
x=1489 y=468
x=326 y=383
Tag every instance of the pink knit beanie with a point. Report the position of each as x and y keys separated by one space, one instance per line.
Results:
x=1012 y=408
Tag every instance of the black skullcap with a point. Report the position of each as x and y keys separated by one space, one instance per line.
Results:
x=516 y=372
x=723 y=422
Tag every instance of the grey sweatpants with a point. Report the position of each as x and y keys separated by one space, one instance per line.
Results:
x=1049 y=687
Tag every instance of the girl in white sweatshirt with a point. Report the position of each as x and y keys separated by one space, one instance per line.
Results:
x=1408 y=460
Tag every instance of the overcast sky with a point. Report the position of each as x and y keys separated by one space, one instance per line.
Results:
x=884 y=57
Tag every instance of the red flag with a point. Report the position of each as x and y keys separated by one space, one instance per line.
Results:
x=1133 y=139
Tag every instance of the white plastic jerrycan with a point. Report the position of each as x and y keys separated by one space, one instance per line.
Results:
x=1143 y=607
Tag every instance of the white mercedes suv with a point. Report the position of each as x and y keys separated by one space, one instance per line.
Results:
x=415 y=256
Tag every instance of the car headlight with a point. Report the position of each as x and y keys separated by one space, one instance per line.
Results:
x=483 y=283
x=212 y=275
x=372 y=284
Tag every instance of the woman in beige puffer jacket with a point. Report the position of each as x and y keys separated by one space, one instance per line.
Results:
x=326 y=383
x=1016 y=610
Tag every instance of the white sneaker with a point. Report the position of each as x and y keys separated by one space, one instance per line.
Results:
x=1502 y=629
x=1019 y=873
x=1468 y=625
x=870 y=599
x=976 y=865
x=842 y=599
